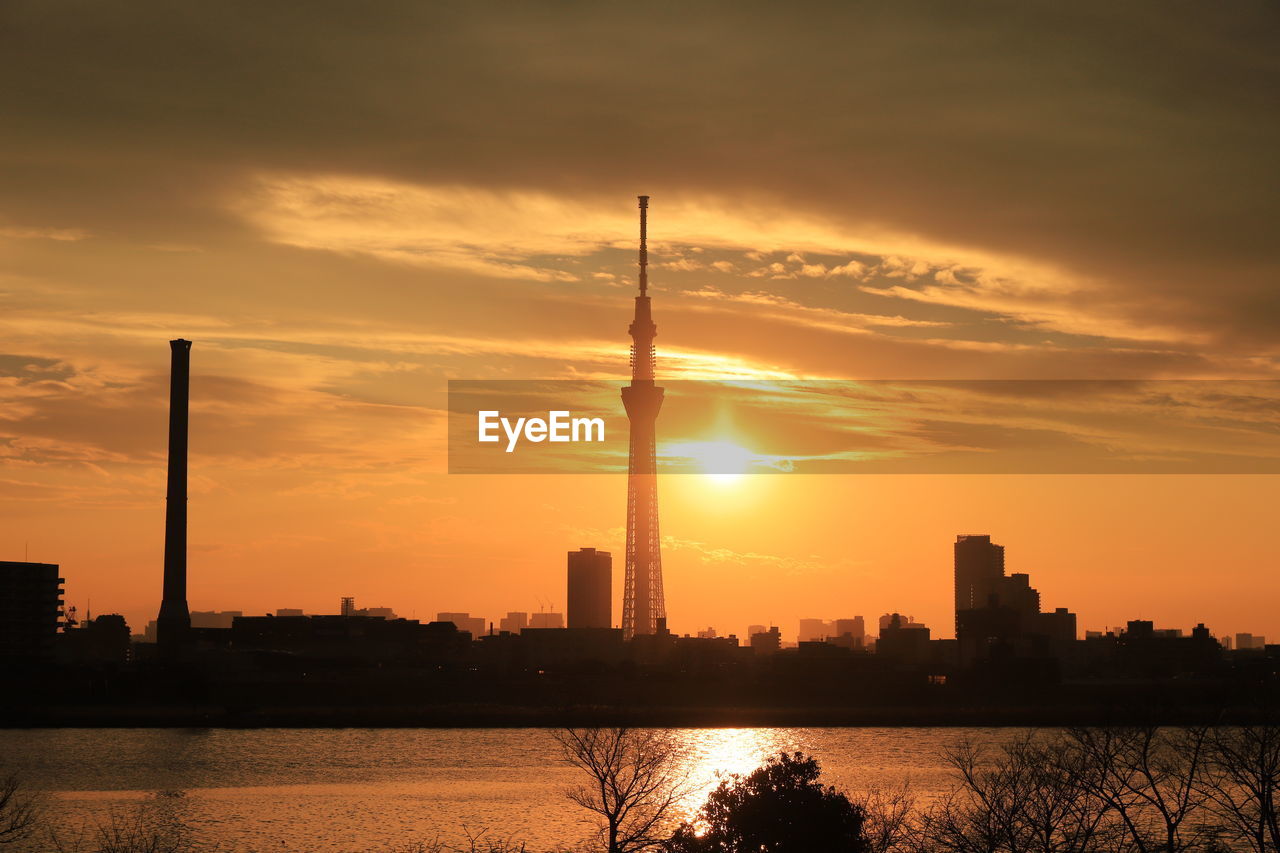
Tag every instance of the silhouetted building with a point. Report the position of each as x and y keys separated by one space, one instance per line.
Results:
x=550 y=646
x=812 y=630
x=546 y=620
x=657 y=648
x=1247 y=642
x=289 y=611
x=903 y=641
x=704 y=654
x=891 y=620
x=347 y=606
x=987 y=632
x=979 y=567
x=104 y=639
x=998 y=616
x=590 y=581
x=473 y=625
x=855 y=629
x=1143 y=652
x=173 y=626
x=643 y=603
x=214 y=618
x=30 y=610
x=766 y=642
x=1060 y=627
x=348 y=637
x=514 y=622
x=845 y=633
x=1015 y=591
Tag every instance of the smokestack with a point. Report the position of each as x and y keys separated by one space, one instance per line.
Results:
x=173 y=627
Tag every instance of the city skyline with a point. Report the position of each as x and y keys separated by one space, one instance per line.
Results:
x=935 y=195
x=977 y=580
x=982 y=578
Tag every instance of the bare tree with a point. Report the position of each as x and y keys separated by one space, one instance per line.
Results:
x=150 y=826
x=1022 y=799
x=634 y=786
x=888 y=823
x=1242 y=785
x=18 y=809
x=1149 y=778
x=1108 y=790
x=476 y=843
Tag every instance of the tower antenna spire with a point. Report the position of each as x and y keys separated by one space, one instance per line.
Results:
x=644 y=248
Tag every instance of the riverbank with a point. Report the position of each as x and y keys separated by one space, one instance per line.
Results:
x=507 y=716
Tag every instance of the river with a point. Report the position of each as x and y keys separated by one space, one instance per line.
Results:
x=344 y=790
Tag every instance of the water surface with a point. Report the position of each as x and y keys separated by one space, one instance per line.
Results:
x=331 y=790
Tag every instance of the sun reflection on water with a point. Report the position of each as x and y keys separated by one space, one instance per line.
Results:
x=712 y=754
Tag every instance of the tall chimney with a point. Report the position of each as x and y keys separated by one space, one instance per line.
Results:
x=173 y=628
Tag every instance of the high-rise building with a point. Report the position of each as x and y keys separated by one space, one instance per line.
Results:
x=30 y=610
x=590 y=579
x=979 y=567
x=643 y=605
x=998 y=615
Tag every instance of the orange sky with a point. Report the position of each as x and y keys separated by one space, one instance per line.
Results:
x=345 y=208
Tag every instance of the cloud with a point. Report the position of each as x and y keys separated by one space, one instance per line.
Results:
x=1115 y=188
x=829 y=319
x=751 y=561
x=61 y=234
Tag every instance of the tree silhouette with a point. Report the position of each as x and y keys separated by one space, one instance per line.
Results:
x=781 y=807
x=18 y=809
x=634 y=782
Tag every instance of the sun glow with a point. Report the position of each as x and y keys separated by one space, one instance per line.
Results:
x=721 y=462
x=713 y=754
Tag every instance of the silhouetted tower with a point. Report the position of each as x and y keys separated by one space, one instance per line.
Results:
x=173 y=627
x=643 y=608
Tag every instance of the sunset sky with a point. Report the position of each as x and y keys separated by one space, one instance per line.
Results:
x=347 y=205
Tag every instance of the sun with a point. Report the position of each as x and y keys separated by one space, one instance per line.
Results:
x=722 y=462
